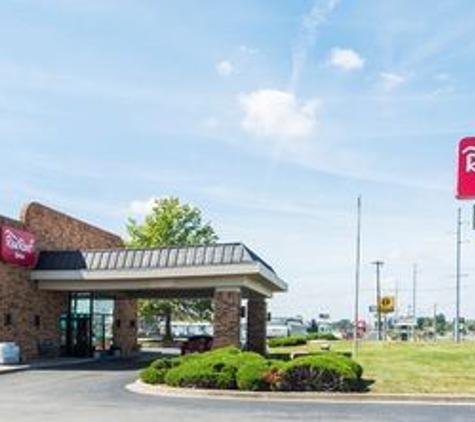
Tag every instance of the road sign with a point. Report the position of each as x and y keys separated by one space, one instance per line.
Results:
x=386 y=304
x=373 y=309
x=466 y=169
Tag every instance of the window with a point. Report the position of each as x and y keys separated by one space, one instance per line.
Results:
x=7 y=320
x=37 y=321
x=132 y=323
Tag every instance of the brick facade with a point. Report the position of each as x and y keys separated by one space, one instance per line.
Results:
x=227 y=318
x=256 y=324
x=34 y=313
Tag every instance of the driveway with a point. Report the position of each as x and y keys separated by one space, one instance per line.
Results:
x=95 y=392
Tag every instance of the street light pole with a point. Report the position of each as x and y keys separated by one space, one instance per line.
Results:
x=458 y=275
x=357 y=277
x=414 y=297
x=378 y=265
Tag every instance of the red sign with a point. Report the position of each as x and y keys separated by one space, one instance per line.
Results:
x=466 y=169
x=17 y=247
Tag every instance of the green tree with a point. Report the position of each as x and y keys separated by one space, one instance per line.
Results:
x=171 y=223
x=441 y=324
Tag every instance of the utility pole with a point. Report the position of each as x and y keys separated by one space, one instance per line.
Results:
x=357 y=276
x=414 y=298
x=378 y=265
x=435 y=321
x=396 y=300
x=458 y=275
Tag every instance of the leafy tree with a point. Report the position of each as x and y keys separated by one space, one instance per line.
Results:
x=441 y=324
x=313 y=327
x=171 y=223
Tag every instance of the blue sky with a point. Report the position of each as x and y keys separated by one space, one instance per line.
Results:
x=272 y=116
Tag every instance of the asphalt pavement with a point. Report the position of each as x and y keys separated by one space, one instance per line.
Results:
x=95 y=392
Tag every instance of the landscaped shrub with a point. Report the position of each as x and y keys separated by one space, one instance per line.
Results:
x=216 y=369
x=165 y=363
x=320 y=372
x=296 y=340
x=230 y=368
x=153 y=376
x=251 y=376
x=317 y=336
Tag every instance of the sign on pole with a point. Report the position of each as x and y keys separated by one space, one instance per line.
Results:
x=466 y=169
x=386 y=304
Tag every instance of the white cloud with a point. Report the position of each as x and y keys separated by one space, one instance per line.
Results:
x=141 y=208
x=310 y=25
x=391 y=81
x=346 y=59
x=225 y=68
x=278 y=114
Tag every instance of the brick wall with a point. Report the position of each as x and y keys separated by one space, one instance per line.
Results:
x=21 y=299
x=227 y=318
x=125 y=331
x=257 y=324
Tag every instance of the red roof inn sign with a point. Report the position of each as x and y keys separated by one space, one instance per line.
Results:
x=17 y=247
x=466 y=169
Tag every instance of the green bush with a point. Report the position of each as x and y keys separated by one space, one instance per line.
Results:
x=320 y=372
x=317 y=336
x=164 y=363
x=296 y=340
x=153 y=376
x=216 y=369
x=251 y=375
x=230 y=368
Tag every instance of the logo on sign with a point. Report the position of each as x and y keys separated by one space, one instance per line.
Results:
x=18 y=247
x=466 y=169
x=469 y=154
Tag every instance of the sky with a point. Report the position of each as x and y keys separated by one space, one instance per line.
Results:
x=272 y=116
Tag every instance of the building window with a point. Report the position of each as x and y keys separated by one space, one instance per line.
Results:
x=132 y=323
x=7 y=320
x=37 y=321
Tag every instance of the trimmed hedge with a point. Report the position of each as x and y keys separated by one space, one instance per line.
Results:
x=296 y=340
x=316 y=336
x=299 y=340
x=216 y=369
x=321 y=372
x=153 y=376
x=229 y=368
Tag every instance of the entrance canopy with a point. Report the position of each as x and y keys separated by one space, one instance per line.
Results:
x=179 y=272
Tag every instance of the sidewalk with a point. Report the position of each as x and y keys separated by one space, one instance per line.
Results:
x=42 y=364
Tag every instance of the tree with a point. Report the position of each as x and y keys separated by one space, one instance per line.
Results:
x=441 y=324
x=171 y=223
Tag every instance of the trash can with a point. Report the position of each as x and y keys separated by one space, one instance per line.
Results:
x=9 y=353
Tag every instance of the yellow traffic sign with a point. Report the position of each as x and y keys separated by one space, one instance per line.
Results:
x=386 y=304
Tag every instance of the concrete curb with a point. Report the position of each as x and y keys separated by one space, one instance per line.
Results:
x=139 y=387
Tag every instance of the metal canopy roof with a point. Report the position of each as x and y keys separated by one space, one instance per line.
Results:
x=149 y=258
x=190 y=267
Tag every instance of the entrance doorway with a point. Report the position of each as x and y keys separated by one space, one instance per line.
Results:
x=87 y=326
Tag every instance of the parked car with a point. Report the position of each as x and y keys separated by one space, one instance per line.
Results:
x=197 y=344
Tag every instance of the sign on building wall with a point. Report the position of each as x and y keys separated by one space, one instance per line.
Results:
x=466 y=169
x=17 y=247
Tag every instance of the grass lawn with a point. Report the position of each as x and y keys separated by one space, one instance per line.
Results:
x=405 y=367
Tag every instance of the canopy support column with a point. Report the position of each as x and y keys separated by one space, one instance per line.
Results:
x=227 y=317
x=257 y=325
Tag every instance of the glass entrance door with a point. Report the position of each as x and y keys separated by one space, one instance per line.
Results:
x=87 y=326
